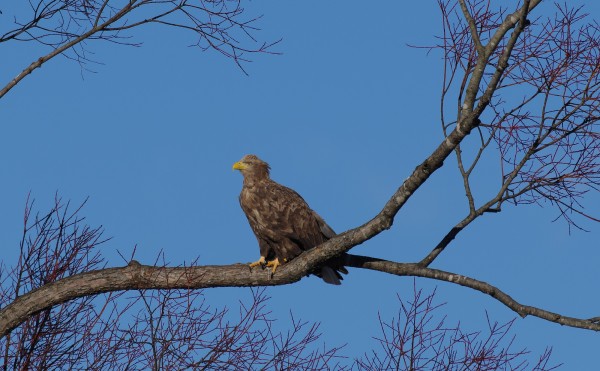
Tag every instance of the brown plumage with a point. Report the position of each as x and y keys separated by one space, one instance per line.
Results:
x=282 y=221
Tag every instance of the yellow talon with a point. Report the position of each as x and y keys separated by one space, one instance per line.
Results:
x=273 y=263
x=260 y=262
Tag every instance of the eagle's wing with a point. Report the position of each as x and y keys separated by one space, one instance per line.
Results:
x=281 y=219
x=283 y=213
x=327 y=231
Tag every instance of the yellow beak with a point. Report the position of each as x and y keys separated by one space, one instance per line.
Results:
x=239 y=166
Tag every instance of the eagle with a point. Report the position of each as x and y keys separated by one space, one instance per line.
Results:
x=282 y=221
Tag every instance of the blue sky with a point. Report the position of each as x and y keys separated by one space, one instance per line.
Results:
x=343 y=116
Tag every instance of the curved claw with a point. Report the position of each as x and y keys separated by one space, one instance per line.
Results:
x=260 y=262
x=273 y=263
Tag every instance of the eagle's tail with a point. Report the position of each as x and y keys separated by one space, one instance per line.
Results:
x=332 y=271
x=330 y=276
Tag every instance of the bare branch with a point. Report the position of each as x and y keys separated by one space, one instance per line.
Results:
x=67 y=25
x=411 y=269
x=472 y=26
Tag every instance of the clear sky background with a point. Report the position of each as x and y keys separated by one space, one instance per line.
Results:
x=343 y=116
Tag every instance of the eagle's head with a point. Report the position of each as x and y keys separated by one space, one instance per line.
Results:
x=252 y=167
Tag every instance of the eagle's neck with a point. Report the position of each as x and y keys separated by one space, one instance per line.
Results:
x=257 y=176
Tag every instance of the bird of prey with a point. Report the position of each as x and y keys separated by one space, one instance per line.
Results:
x=282 y=221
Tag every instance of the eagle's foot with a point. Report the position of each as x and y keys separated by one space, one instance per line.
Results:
x=262 y=261
x=273 y=263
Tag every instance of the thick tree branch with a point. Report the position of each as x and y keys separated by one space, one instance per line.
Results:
x=137 y=276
